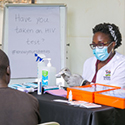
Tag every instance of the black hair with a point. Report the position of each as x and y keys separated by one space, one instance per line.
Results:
x=4 y=63
x=110 y=29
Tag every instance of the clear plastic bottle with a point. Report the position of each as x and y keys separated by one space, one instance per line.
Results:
x=39 y=91
x=40 y=65
x=70 y=96
x=49 y=74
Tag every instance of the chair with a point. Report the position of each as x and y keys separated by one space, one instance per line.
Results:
x=49 y=123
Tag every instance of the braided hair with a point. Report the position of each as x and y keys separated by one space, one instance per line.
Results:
x=110 y=29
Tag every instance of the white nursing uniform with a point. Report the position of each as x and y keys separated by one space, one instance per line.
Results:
x=113 y=73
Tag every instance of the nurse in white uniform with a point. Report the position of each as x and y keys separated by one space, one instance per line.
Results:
x=106 y=66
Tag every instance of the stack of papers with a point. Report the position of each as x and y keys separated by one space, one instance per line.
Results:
x=31 y=87
x=57 y=92
x=79 y=103
x=84 y=104
x=50 y=88
x=25 y=87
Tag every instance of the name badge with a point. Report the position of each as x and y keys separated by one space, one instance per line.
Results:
x=107 y=75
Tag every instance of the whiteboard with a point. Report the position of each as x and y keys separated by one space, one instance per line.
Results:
x=30 y=29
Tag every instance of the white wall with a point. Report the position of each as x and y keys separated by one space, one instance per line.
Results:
x=1 y=25
x=82 y=16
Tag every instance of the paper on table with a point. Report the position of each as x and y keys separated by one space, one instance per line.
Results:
x=85 y=104
x=46 y=88
x=24 y=87
x=90 y=105
x=60 y=100
x=57 y=92
x=77 y=102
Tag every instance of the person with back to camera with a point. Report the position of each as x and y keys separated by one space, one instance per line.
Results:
x=106 y=66
x=16 y=107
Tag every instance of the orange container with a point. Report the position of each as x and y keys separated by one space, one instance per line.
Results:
x=109 y=100
x=88 y=96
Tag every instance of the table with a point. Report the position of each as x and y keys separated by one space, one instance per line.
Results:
x=66 y=114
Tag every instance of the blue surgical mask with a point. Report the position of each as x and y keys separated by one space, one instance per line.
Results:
x=101 y=54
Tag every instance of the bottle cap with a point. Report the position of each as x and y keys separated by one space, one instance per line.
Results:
x=40 y=57
x=70 y=92
x=70 y=96
x=48 y=64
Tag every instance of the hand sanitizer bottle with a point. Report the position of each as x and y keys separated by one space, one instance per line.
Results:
x=40 y=65
x=49 y=74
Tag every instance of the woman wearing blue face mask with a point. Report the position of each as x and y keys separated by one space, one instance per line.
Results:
x=107 y=66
